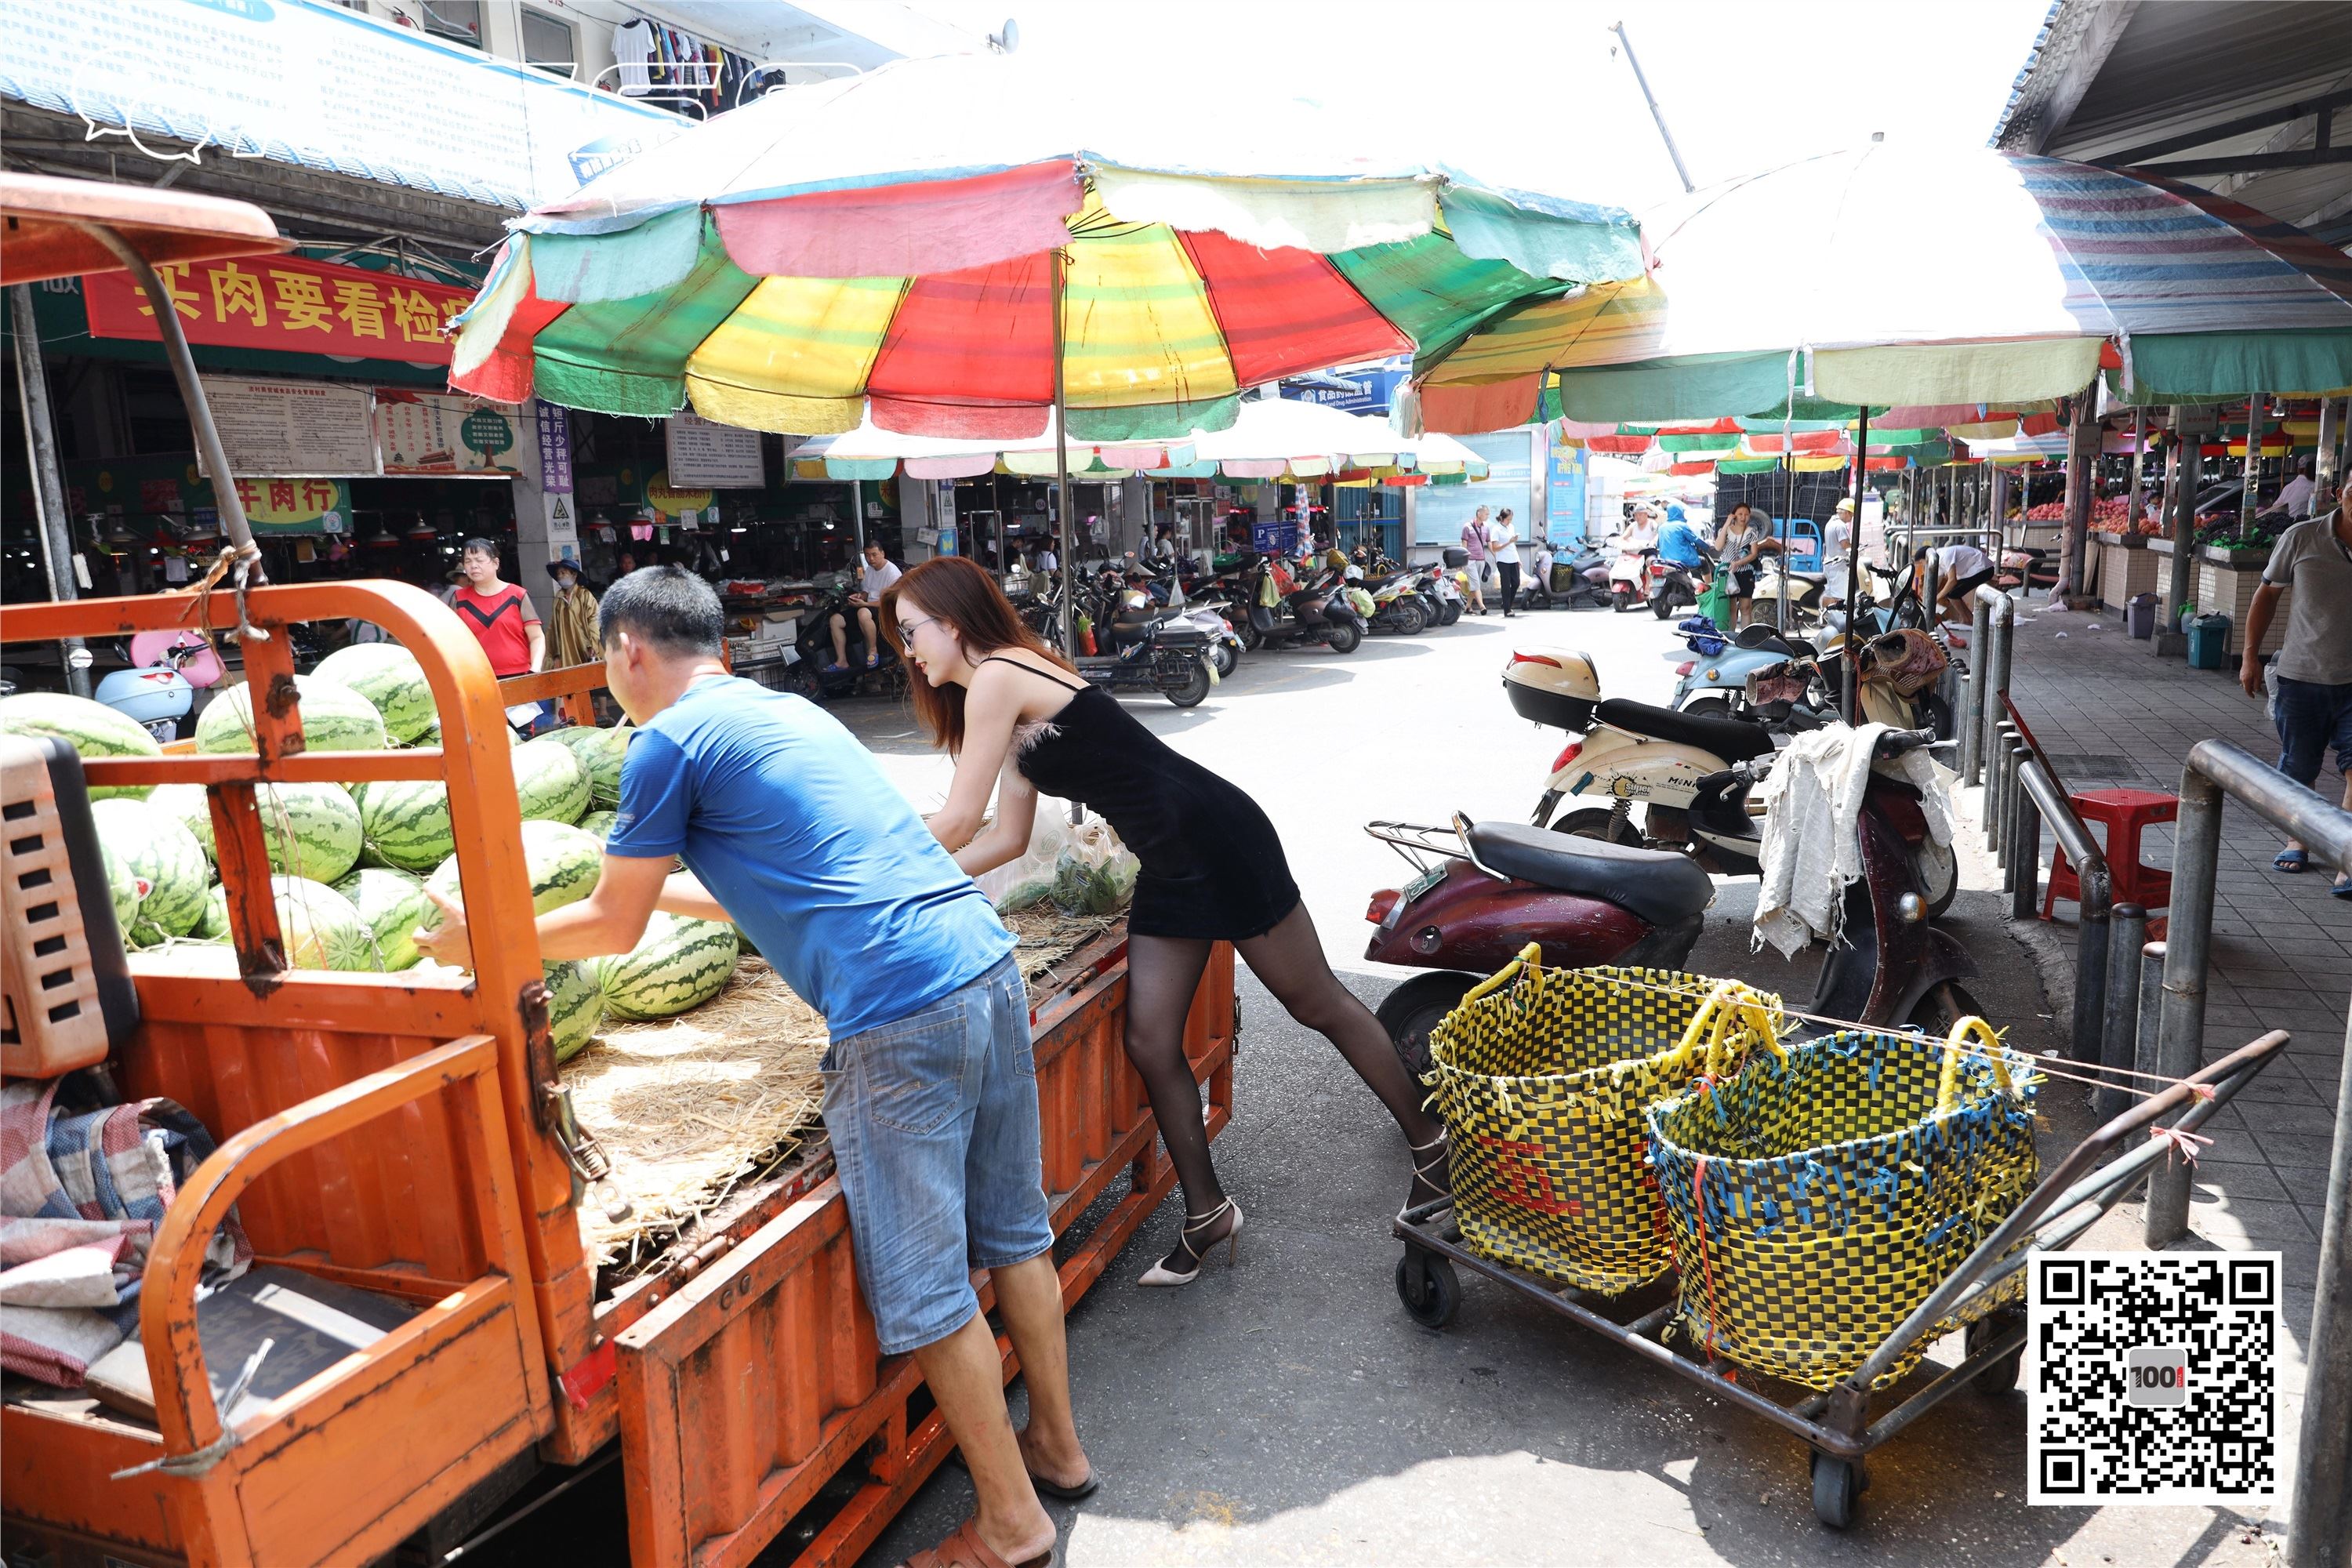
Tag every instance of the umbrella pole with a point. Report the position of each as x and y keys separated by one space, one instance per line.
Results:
x=1853 y=564
x=1061 y=471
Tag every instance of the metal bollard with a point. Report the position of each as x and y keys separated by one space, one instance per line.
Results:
x=1973 y=725
x=2151 y=1008
x=2181 y=1036
x=2118 y=1034
x=2004 y=765
x=2024 y=851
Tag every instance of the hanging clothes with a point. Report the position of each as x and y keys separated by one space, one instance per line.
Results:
x=633 y=49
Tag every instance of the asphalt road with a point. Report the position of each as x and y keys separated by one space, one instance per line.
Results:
x=1288 y=1412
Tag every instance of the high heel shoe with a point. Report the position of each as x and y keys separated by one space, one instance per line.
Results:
x=1160 y=1274
x=1440 y=1159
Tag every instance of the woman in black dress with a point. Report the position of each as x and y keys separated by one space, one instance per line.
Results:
x=1020 y=721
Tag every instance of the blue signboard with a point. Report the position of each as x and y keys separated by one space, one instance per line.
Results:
x=1564 y=475
x=1364 y=392
x=1274 y=537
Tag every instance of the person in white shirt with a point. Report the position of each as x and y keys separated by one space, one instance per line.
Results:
x=1836 y=540
x=2293 y=499
x=1960 y=570
x=1503 y=545
x=876 y=576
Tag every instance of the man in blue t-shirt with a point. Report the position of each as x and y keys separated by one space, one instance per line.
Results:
x=788 y=829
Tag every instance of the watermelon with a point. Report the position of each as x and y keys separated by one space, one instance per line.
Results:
x=213 y=924
x=127 y=890
x=574 y=1006
x=162 y=863
x=564 y=865
x=393 y=904
x=186 y=804
x=600 y=751
x=599 y=823
x=679 y=963
x=313 y=830
x=334 y=718
x=406 y=822
x=550 y=784
x=320 y=928
x=388 y=676
x=431 y=734
x=91 y=729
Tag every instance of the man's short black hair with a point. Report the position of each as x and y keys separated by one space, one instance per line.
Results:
x=667 y=606
x=485 y=546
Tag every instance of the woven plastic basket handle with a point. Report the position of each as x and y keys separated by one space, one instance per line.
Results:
x=1731 y=1003
x=1969 y=1029
x=1530 y=958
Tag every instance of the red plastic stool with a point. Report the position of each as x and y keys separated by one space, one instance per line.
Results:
x=2124 y=812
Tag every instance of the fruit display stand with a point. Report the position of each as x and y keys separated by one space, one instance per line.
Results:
x=2127 y=568
x=406 y=1133
x=2226 y=581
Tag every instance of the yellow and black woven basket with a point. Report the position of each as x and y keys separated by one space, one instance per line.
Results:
x=1817 y=1200
x=1543 y=1078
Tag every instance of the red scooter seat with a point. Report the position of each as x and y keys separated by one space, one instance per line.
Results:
x=1663 y=887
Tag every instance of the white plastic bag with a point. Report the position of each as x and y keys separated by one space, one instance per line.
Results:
x=1020 y=883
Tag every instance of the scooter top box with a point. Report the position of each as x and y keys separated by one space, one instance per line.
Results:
x=1556 y=686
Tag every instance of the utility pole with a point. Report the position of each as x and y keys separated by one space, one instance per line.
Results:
x=1651 y=98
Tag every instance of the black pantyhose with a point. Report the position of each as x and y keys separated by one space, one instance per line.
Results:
x=1162 y=973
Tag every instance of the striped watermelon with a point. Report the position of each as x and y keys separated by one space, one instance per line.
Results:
x=550 y=784
x=564 y=865
x=126 y=890
x=599 y=823
x=406 y=822
x=334 y=718
x=320 y=928
x=431 y=734
x=388 y=676
x=91 y=729
x=313 y=830
x=186 y=804
x=574 y=1006
x=393 y=904
x=213 y=924
x=600 y=751
x=160 y=861
x=679 y=963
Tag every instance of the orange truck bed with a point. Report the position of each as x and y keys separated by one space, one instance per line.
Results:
x=388 y=1131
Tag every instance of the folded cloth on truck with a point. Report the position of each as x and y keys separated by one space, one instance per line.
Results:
x=80 y=1196
x=1812 y=846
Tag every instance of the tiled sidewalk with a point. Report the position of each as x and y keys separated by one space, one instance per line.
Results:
x=2110 y=712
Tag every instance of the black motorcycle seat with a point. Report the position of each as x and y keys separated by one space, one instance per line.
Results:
x=1763 y=638
x=1662 y=887
x=1733 y=740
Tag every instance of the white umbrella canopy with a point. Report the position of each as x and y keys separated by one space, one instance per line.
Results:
x=1792 y=287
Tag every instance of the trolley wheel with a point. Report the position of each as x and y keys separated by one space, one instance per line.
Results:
x=1837 y=1491
x=1428 y=1287
x=2001 y=1377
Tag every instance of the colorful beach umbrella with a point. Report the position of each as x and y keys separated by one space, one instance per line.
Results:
x=1787 y=288
x=900 y=240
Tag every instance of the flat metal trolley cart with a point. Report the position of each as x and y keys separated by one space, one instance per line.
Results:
x=1837 y=1425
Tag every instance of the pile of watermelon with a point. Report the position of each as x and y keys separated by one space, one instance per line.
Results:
x=353 y=865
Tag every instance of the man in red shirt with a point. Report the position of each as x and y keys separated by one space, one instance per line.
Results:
x=498 y=613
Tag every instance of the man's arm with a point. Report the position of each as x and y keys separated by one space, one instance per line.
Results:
x=2257 y=622
x=610 y=919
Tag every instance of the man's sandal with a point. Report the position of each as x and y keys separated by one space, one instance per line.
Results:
x=965 y=1549
x=2288 y=860
x=1054 y=1489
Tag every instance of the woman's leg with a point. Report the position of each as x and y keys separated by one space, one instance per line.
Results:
x=1510 y=571
x=1289 y=961
x=1163 y=973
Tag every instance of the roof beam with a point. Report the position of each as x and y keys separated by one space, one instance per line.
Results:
x=2102 y=27
x=2250 y=163
x=2324 y=105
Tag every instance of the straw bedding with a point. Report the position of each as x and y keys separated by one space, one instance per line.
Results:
x=691 y=1111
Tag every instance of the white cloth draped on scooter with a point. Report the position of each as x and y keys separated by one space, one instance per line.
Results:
x=1813 y=844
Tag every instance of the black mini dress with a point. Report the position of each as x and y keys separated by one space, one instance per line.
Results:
x=1212 y=866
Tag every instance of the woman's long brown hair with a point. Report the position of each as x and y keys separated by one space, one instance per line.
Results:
x=958 y=590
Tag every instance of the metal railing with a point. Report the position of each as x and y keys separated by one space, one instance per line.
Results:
x=1993 y=625
x=2034 y=797
x=2320 y=1528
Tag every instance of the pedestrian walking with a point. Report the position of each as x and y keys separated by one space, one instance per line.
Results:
x=1473 y=545
x=1740 y=546
x=2311 y=704
x=1503 y=545
x=575 y=615
x=788 y=829
x=1018 y=721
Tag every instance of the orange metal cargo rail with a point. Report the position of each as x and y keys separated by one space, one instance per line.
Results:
x=364 y=1142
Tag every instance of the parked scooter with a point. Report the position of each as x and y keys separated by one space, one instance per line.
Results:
x=1578 y=581
x=1483 y=890
x=1446 y=590
x=158 y=689
x=1397 y=605
x=1318 y=614
x=1714 y=680
x=1891 y=966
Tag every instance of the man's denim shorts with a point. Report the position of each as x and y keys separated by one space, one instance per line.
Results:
x=934 y=1126
x=2312 y=719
